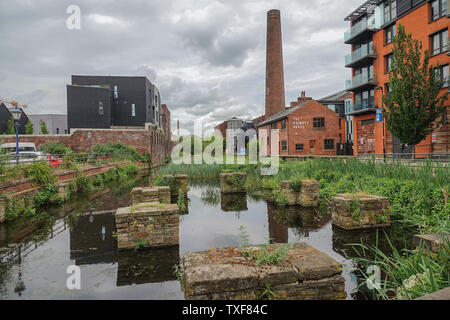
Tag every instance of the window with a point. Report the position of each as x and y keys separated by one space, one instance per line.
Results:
x=283 y=124
x=329 y=144
x=390 y=10
x=442 y=75
x=283 y=145
x=439 y=42
x=57 y=130
x=367 y=122
x=389 y=34
x=388 y=63
x=116 y=92
x=388 y=88
x=274 y=125
x=100 y=107
x=439 y=9
x=299 y=147
x=133 y=110
x=318 y=122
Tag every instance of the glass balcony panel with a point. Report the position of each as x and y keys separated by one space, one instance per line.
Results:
x=359 y=53
x=364 y=104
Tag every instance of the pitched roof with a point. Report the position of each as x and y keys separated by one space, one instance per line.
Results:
x=282 y=114
x=334 y=96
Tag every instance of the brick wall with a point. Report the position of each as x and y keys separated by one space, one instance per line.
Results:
x=150 y=140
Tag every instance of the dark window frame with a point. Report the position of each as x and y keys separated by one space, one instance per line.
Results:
x=389 y=34
x=299 y=147
x=442 y=48
x=319 y=123
x=283 y=145
x=328 y=144
x=391 y=6
x=388 y=59
x=442 y=10
x=439 y=73
x=283 y=124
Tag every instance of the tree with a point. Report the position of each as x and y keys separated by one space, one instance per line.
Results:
x=10 y=126
x=413 y=104
x=44 y=129
x=29 y=128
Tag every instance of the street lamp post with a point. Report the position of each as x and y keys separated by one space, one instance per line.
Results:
x=16 y=113
x=89 y=136
x=381 y=106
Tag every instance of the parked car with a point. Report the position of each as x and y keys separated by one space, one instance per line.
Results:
x=23 y=147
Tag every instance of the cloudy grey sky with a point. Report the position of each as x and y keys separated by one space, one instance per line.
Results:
x=206 y=56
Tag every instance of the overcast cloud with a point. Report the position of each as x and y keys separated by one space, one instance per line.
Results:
x=206 y=57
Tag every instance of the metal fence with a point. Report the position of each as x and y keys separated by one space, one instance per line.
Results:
x=63 y=160
x=408 y=157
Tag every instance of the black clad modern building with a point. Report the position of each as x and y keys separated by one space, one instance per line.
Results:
x=112 y=101
x=5 y=116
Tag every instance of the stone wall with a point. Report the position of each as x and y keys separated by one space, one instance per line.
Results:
x=149 y=224
x=307 y=196
x=288 y=193
x=233 y=182
x=151 y=194
x=360 y=211
x=306 y=274
x=175 y=182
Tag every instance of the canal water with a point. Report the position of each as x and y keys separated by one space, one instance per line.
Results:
x=35 y=258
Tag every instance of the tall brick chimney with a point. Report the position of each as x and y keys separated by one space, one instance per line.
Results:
x=275 y=99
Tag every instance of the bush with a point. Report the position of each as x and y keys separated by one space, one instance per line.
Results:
x=44 y=195
x=117 y=150
x=41 y=173
x=55 y=148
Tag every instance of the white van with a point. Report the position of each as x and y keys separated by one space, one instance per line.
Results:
x=23 y=147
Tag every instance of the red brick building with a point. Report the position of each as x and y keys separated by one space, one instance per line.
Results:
x=305 y=128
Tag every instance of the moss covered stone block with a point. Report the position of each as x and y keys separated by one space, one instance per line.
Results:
x=309 y=193
x=229 y=274
x=431 y=241
x=148 y=224
x=233 y=182
x=288 y=193
x=360 y=211
x=175 y=182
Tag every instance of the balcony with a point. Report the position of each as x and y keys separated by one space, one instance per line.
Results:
x=361 y=82
x=363 y=30
x=362 y=107
x=361 y=56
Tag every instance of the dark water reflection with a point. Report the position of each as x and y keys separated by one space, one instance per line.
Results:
x=35 y=260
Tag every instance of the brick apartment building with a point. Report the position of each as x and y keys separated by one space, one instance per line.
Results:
x=112 y=101
x=166 y=119
x=305 y=128
x=373 y=26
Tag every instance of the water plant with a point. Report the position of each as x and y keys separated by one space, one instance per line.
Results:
x=407 y=274
x=267 y=294
x=179 y=273
x=180 y=201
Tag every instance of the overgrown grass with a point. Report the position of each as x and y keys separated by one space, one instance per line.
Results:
x=407 y=274
x=418 y=195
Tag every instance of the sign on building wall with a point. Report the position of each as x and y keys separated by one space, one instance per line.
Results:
x=379 y=115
